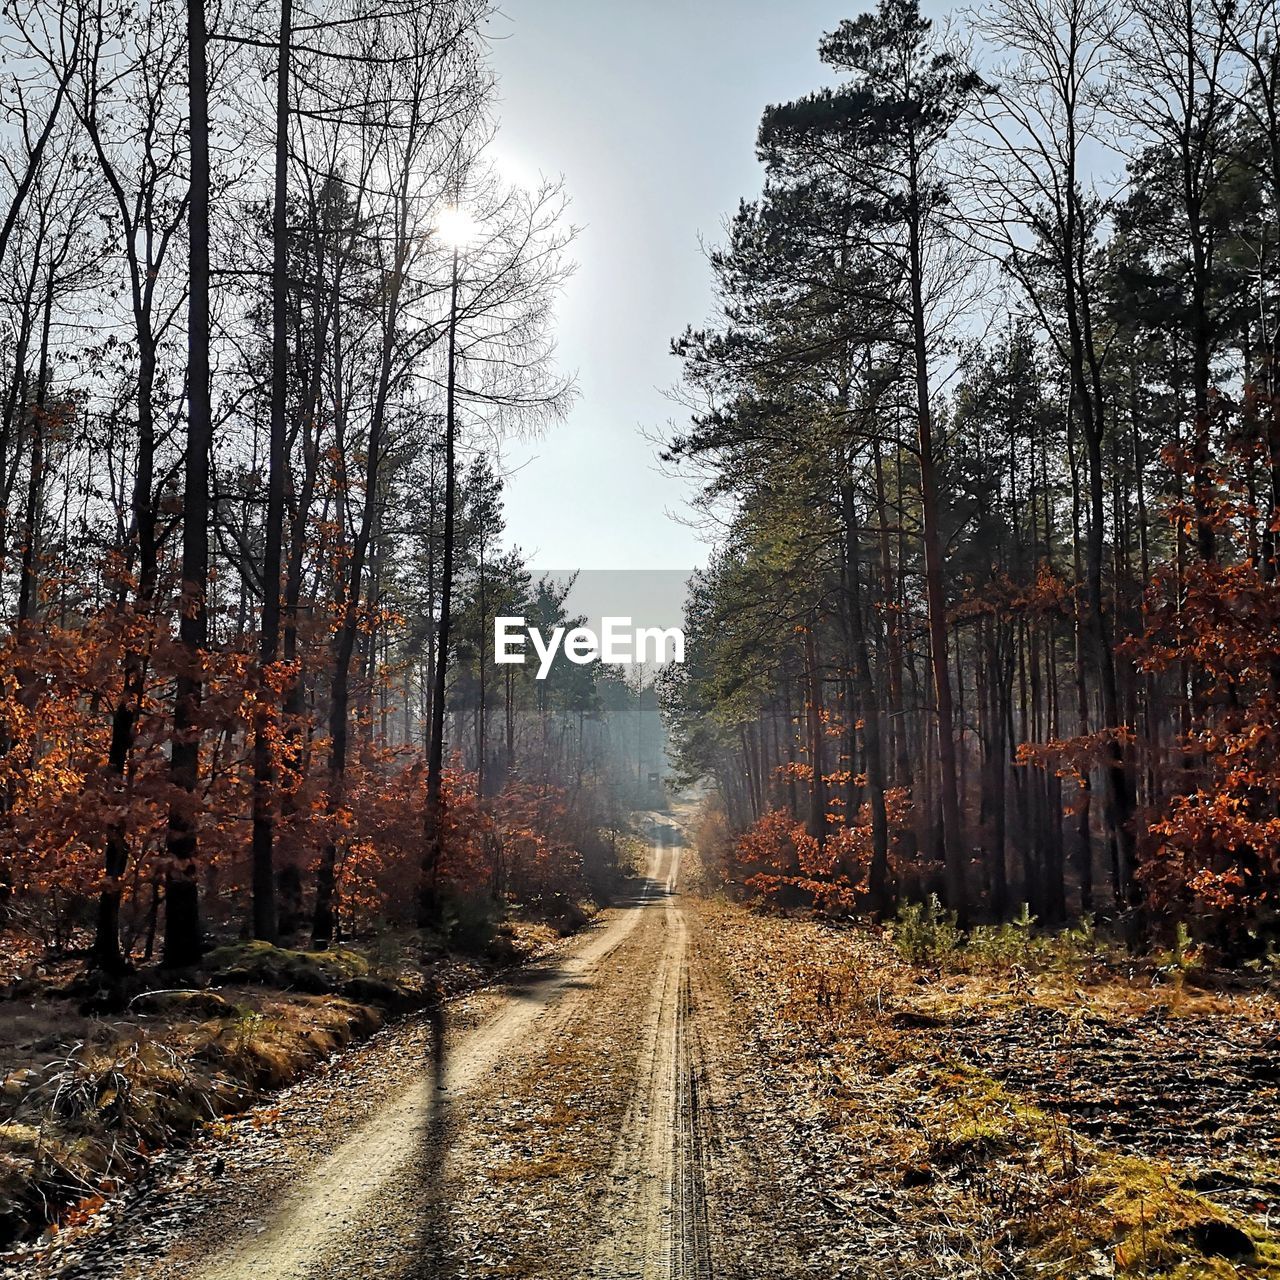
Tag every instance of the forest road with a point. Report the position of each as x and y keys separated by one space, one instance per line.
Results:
x=598 y=1118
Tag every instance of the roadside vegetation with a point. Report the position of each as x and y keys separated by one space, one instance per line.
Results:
x=1048 y=1100
x=985 y=665
x=986 y=421
x=1036 y=1109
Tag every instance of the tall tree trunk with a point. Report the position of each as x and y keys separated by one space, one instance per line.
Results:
x=817 y=825
x=433 y=848
x=1084 y=841
x=482 y=708
x=935 y=596
x=265 y=923
x=325 y=920
x=182 y=940
x=28 y=586
x=869 y=706
x=124 y=717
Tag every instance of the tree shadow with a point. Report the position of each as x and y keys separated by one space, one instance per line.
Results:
x=438 y=1248
x=432 y=1254
x=667 y=834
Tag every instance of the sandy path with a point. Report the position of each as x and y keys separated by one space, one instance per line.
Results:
x=597 y=1119
x=321 y=1210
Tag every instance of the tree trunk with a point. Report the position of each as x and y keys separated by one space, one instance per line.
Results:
x=265 y=923
x=869 y=705
x=182 y=941
x=935 y=596
x=433 y=848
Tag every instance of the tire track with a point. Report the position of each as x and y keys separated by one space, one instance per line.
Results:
x=660 y=1223
x=601 y=1067
x=692 y=1259
x=310 y=1232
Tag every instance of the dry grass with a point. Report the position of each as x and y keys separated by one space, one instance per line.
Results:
x=84 y=1099
x=559 y=1116
x=866 y=1032
x=82 y=1118
x=1127 y=991
x=554 y=1164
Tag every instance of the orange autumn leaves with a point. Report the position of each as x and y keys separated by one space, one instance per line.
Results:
x=1208 y=631
x=779 y=858
x=1217 y=843
x=60 y=695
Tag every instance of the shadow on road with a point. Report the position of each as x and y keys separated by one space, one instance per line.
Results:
x=431 y=1247
x=439 y=1234
x=667 y=834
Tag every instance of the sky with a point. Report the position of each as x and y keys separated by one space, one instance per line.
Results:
x=649 y=111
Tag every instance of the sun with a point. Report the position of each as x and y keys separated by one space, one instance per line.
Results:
x=455 y=226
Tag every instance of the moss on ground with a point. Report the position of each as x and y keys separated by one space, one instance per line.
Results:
x=85 y=1121
x=84 y=1099
x=1069 y=1200
x=260 y=963
x=84 y=1114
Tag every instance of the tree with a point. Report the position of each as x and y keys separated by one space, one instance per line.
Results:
x=1033 y=209
x=885 y=128
x=183 y=944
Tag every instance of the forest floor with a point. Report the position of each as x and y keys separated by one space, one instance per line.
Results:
x=692 y=1089
x=93 y=1083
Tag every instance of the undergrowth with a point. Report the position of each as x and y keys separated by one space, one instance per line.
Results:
x=73 y=1128
x=1028 y=1193
x=925 y=933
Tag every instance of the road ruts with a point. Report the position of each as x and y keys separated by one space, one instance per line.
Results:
x=658 y=1222
x=601 y=1118
x=691 y=1258
x=312 y=1230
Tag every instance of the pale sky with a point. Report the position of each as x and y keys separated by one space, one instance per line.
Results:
x=649 y=110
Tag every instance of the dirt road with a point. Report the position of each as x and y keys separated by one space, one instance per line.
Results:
x=598 y=1119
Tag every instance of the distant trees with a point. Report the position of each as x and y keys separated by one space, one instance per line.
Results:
x=998 y=442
